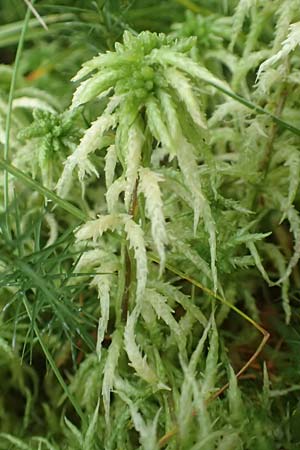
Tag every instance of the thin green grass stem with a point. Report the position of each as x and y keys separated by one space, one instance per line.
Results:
x=258 y=109
x=35 y=186
x=9 y=33
x=193 y=7
x=9 y=112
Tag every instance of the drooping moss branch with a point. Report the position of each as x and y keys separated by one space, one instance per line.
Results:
x=133 y=211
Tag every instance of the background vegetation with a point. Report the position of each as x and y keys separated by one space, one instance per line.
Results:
x=149 y=224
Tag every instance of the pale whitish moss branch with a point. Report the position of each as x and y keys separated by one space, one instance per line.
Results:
x=89 y=438
x=242 y=10
x=157 y=126
x=147 y=431
x=91 y=141
x=149 y=186
x=133 y=159
x=103 y=283
x=288 y=45
x=135 y=235
x=95 y=228
x=137 y=361
x=185 y=153
x=110 y=369
x=110 y=165
x=211 y=368
x=165 y=312
x=190 y=393
x=185 y=92
x=113 y=193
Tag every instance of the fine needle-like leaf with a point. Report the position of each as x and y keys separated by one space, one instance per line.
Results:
x=36 y=14
x=53 y=365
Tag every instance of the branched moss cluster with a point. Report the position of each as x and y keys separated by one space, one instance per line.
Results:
x=54 y=136
x=150 y=227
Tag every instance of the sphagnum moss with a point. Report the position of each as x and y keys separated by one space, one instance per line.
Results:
x=123 y=316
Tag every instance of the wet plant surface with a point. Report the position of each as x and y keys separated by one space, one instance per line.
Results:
x=149 y=225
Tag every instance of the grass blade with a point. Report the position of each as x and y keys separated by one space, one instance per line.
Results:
x=35 y=186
